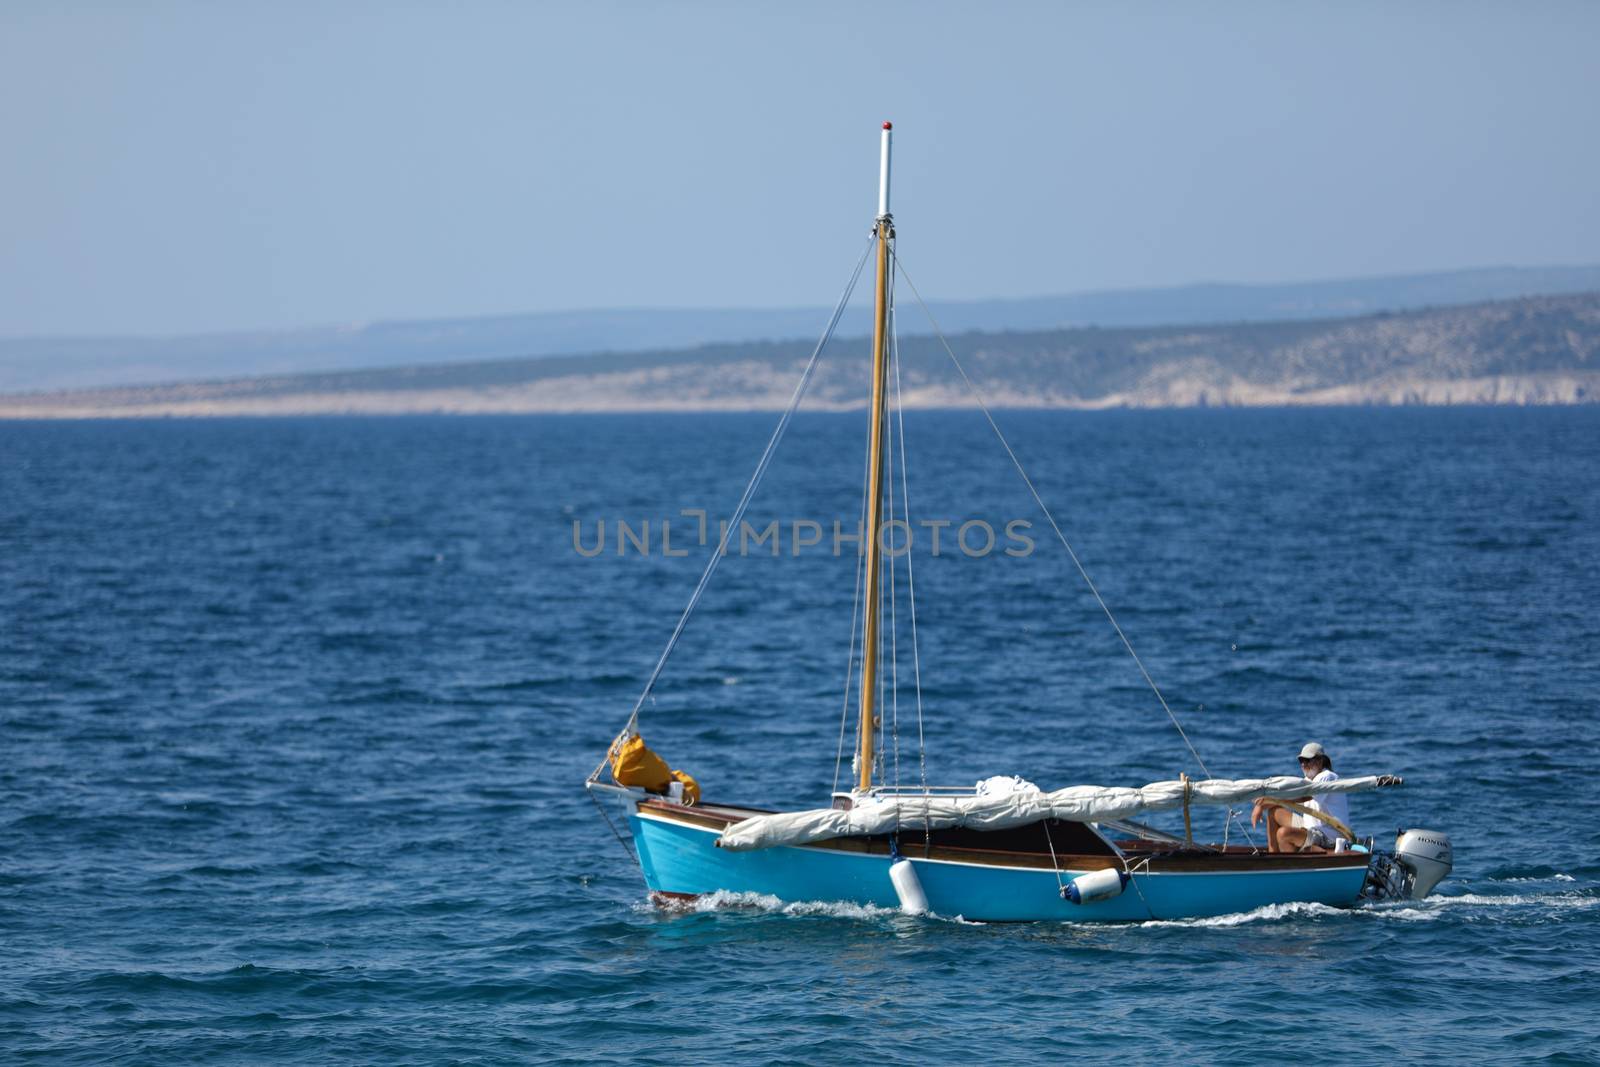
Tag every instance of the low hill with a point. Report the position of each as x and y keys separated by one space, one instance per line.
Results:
x=92 y=362
x=1539 y=350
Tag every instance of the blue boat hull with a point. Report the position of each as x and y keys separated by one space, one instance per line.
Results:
x=679 y=859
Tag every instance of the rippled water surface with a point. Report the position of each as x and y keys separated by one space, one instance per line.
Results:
x=295 y=716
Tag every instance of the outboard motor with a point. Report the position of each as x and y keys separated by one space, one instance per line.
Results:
x=1426 y=854
x=1421 y=859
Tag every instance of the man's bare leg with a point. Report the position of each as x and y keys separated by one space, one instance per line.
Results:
x=1286 y=834
x=1272 y=828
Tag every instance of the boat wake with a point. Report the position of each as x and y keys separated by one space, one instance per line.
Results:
x=1428 y=910
x=1570 y=899
x=1533 y=878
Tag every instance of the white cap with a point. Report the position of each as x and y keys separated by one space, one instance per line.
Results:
x=1313 y=750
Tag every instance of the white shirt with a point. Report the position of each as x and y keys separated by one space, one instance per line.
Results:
x=1335 y=804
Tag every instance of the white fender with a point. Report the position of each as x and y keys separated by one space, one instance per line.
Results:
x=1097 y=885
x=908 y=887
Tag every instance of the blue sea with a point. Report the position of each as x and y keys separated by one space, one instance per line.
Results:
x=296 y=714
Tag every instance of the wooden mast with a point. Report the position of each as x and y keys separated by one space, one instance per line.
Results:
x=874 y=546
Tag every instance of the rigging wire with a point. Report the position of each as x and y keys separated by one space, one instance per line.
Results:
x=879 y=755
x=1039 y=500
x=633 y=853
x=1055 y=864
x=894 y=621
x=1133 y=879
x=744 y=499
x=855 y=614
x=905 y=511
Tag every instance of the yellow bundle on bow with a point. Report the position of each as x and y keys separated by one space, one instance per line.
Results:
x=632 y=763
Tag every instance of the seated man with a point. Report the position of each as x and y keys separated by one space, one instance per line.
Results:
x=1291 y=832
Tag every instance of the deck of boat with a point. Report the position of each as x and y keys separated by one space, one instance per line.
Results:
x=1048 y=844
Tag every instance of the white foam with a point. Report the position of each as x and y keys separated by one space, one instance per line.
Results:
x=723 y=899
x=1266 y=913
x=839 y=909
x=1398 y=910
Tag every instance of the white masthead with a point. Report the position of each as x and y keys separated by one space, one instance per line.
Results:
x=883 y=174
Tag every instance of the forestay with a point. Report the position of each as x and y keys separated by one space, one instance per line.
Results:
x=996 y=811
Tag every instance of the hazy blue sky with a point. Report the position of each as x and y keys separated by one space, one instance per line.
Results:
x=172 y=167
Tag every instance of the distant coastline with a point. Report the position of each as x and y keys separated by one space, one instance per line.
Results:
x=56 y=364
x=1532 y=351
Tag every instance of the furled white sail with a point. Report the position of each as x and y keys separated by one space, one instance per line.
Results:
x=998 y=810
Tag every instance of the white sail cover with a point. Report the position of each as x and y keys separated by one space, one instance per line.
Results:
x=996 y=810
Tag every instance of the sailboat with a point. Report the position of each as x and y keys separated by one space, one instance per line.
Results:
x=1004 y=849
